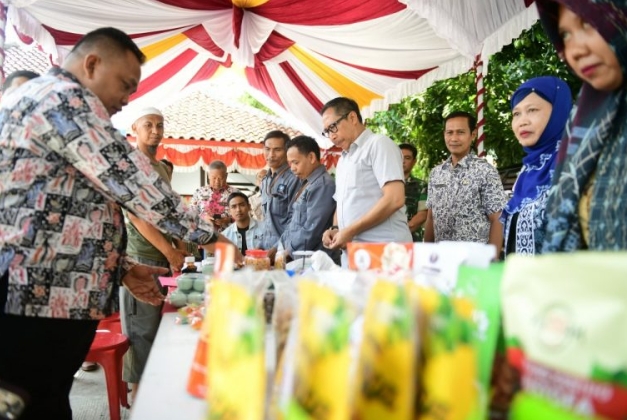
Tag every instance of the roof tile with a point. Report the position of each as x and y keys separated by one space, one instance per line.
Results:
x=200 y=116
x=25 y=58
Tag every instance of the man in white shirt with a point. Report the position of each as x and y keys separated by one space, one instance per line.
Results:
x=370 y=188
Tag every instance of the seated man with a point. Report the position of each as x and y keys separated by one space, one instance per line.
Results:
x=313 y=206
x=245 y=232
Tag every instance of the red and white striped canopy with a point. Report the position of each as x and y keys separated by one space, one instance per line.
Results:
x=300 y=53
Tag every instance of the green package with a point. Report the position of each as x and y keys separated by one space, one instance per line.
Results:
x=482 y=286
x=565 y=318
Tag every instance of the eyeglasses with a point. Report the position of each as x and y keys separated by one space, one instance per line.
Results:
x=332 y=128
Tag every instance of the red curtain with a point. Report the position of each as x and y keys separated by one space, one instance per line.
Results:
x=245 y=154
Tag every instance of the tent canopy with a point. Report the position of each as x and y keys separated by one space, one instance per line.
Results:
x=298 y=53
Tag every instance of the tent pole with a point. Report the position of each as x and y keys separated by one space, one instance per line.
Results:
x=479 y=71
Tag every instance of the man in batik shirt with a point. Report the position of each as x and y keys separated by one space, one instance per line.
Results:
x=211 y=200
x=466 y=195
x=65 y=173
x=415 y=193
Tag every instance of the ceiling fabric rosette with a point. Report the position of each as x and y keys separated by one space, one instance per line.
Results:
x=298 y=53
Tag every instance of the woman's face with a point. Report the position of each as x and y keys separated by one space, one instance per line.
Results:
x=529 y=119
x=587 y=53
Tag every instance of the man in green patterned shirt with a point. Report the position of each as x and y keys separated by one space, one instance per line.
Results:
x=147 y=245
x=415 y=194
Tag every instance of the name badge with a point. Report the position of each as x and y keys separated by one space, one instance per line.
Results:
x=281 y=189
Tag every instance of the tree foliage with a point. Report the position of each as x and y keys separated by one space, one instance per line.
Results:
x=419 y=119
x=247 y=99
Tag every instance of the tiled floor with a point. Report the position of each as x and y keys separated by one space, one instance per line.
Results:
x=89 y=397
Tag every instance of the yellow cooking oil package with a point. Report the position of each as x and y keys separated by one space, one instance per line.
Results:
x=283 y=314
x=237 y=370
x=448 y=377
x=565 y=318
x=316 y=360
x=385 y=376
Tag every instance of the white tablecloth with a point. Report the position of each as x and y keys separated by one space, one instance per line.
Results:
x=162 y=392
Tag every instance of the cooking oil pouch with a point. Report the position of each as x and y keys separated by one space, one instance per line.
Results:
x=237 y=370
x=385 y=257
x=436 y=265
x=283 y=315
x=384 y=383
x=448 y=388
x=565 y=317
x=317 y=358
x=482 y=286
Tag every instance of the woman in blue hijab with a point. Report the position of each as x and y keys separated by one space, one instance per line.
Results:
x=540 y=109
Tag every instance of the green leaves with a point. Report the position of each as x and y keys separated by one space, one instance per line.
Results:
x=599 y=373
x=419 y=119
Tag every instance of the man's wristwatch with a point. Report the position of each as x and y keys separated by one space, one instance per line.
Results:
x=334 y=227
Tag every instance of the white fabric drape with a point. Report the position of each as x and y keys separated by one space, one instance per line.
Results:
x=443 y=34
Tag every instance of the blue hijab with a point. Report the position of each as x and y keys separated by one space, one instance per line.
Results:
x=539 y=161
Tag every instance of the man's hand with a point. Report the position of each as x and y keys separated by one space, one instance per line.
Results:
x=238 y=258
x=176 y=259
x=328 y=236
x=341 y=238
x=418 y=220
x=272 y=254
x=222 y=222
x=140 y=283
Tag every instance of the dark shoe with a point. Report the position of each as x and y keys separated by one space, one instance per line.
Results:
x=89 y=366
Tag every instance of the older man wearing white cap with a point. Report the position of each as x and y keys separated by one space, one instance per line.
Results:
x=149 y=246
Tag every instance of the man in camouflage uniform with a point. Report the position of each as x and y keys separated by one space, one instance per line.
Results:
x=415 y=194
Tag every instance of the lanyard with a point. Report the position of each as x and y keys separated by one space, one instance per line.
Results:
x=299 y=192
x=275 y=179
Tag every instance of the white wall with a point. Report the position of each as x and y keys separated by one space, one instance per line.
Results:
x=186 y=183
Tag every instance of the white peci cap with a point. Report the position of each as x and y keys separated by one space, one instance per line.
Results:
x=148 y=111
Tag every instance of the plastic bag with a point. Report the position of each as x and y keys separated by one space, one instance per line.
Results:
x=565 y=317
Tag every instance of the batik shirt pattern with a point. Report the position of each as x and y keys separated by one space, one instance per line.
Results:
x=209 y=202
x=64 y=173
x=462 y=197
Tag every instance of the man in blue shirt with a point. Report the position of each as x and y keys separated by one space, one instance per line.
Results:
x=278 y=188
x=313 y=205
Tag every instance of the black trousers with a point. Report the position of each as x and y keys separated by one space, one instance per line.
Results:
x=41 y=356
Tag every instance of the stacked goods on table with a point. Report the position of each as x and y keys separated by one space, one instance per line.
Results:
x=190 y=283
x=190 y=289
x=190 y=286
x=348 y=344
x=412 y=334
x=190 y=293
